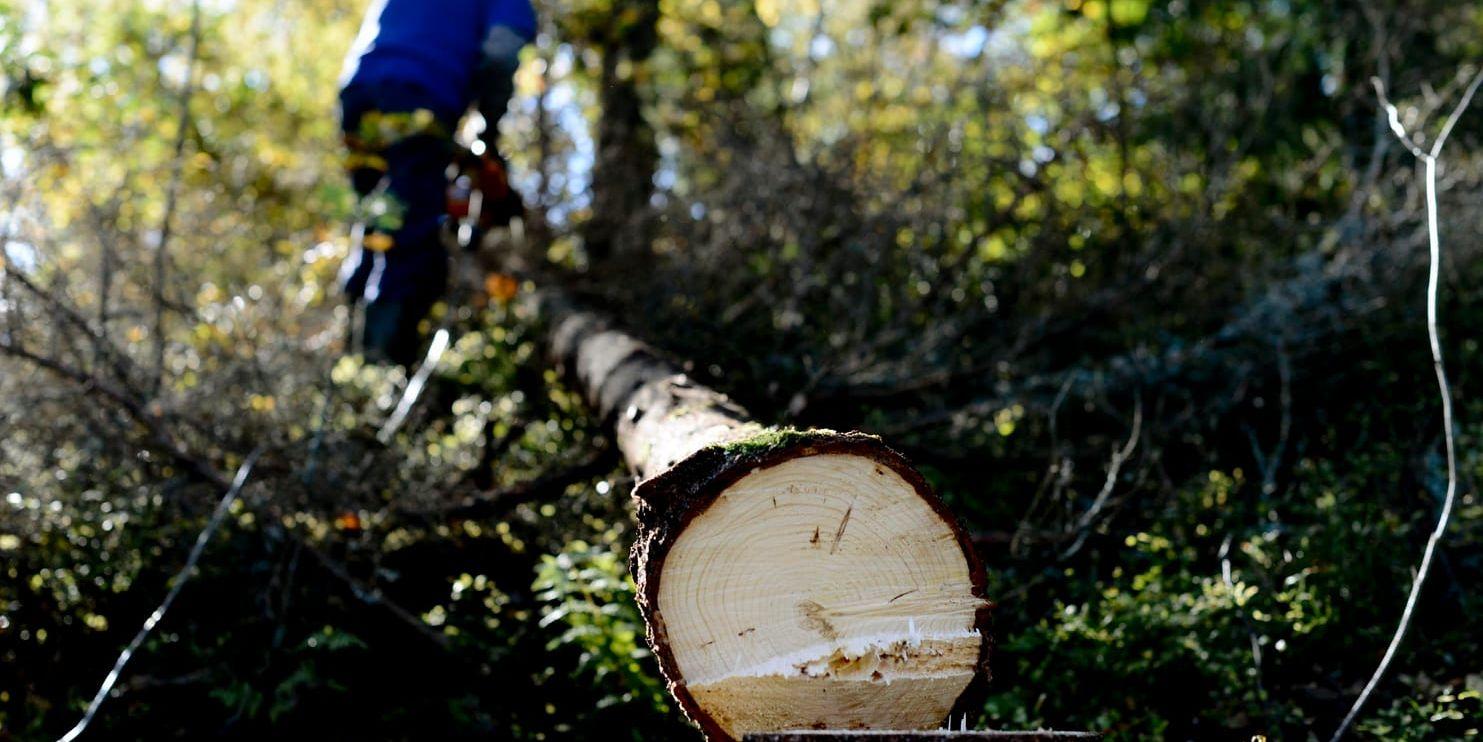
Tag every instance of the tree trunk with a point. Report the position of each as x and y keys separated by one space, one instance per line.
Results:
x=789 y=579
x=627 y=155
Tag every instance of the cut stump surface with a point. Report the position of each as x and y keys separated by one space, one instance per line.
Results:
x=808 y=580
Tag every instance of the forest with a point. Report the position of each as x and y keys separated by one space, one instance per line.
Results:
x=1167 y=300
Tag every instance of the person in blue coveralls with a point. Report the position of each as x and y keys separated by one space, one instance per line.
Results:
x=415 y=69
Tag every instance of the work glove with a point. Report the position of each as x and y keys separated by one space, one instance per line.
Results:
x=501 y=202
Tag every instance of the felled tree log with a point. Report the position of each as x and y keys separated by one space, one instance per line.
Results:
x=789 y=579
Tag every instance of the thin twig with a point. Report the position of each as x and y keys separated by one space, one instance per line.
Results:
x=370 y=595
x=1114 y=467
x=1269 y=463
x=181 y=577
x=159 y=434
x=546 y=486
x=1251 y=634
x=1433 y=278
x=103 y=347
x=1058 y=469
x=172 y=195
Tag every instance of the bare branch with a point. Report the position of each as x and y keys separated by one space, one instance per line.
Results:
x=172 y=195
x=370 y=595
x=546 y=486
x=181 y=578
x=1443 y=388
x=136 y=409
x=1119 y=457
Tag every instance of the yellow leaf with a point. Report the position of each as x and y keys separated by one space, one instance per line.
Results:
x=767 y=12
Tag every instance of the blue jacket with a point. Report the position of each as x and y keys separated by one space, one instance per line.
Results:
x=435 y=45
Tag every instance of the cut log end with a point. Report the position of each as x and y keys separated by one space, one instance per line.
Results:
x=808 y=580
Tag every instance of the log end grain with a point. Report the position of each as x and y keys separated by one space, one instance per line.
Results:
x=808 y=579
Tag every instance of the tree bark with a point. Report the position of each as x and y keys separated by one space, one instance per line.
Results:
x=789 y=579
